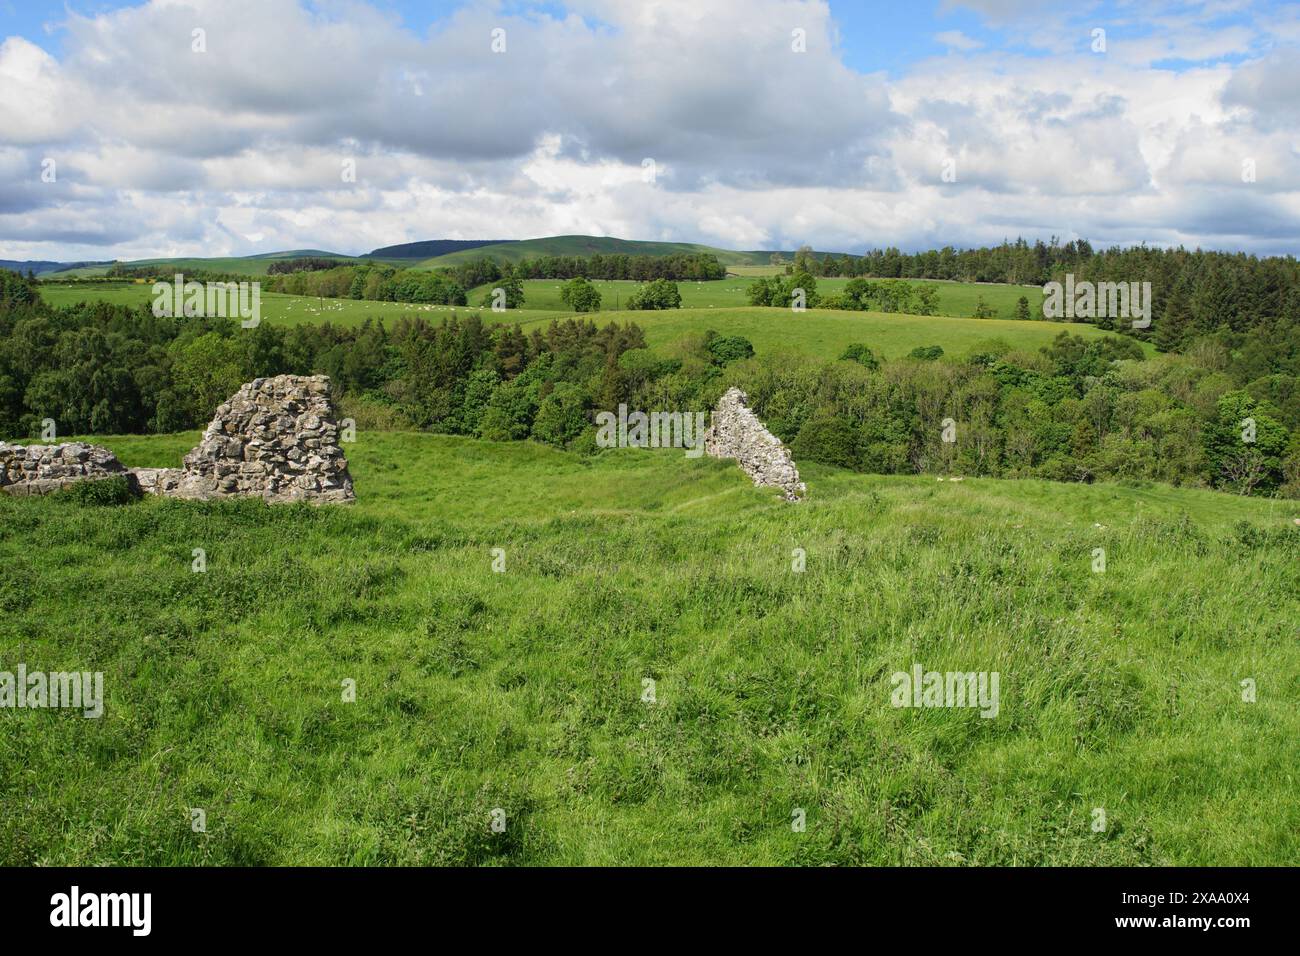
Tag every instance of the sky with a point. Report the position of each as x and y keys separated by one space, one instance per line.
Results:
x=237 y=127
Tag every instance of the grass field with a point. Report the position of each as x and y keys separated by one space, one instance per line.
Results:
x=278 y=308
x=522 y=691
x=543 y=295
x=237 y=265
x=821 y=333
x=955 y=298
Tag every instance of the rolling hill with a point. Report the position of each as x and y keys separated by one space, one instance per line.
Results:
x=432 y=254
x=430 y=248
x=237 y=265
x=517 y=250
x=720 y=306
x=41 y=266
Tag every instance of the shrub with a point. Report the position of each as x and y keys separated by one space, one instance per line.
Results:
x=659 y=294
x=97 y=492
x=831 y=441
x=562 y=415
x=857 y=352
x=512 y=294
x=926 y=353
x=729 y=348
x=372 y=415
x=580 y=295
x=773 y=291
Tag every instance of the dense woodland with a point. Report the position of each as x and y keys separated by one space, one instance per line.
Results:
x=1195 y=293
x=1080 y=410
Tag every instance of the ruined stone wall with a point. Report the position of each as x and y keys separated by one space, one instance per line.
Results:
x=276 y=439
x=39 y=469
x=737 y=433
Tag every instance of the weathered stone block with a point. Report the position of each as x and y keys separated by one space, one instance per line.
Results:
x=737 y=433
x=40 y=469
x=264 y=442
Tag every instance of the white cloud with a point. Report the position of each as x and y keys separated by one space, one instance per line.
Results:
x=162 y=150
x=957 y=40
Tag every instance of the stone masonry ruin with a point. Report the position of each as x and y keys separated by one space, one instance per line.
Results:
x=737 y=433
x=275 y=439
x=39 y=469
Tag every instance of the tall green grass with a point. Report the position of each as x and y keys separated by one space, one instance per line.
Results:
x=523 y=690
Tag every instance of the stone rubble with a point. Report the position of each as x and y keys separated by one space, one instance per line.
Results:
x=737 y=433
x=157 y=481
x=276 y=439
x=40 y=469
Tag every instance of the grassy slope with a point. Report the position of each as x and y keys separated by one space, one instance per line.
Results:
x=285 y=309
x=588 y=246
x=523 y=690
x=503 y=251
x=238 y=265
x=820 y=333
x=823 y=333
x=955 y=298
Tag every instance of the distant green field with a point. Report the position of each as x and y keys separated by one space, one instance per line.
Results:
x=821 y=333
x=118 y=293
x=237 y=265
x=282 y=309
x=523 y=693
x=955 y=298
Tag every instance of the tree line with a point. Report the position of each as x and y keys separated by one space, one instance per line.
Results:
x=685 y=266
x=1194 y=293
x=1078 y=410
x=300 y=264
x=858 y=295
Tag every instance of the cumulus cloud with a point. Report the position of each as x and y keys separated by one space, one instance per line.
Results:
x=194 y=127
x=1269 y=88
x=958 y=40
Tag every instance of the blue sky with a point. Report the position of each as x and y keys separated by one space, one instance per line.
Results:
x=1183 y=127
x=874 y=36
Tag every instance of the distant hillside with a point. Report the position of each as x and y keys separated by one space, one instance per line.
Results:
x=586 y=246
x=432 y=254
x=302 y=253
x=40 y=267
x=430 y=248
x=237 y=265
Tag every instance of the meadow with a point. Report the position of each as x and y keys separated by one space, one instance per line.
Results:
x=957 y=299
x=820 y=333
x=276 y=307
x=824 y=333
x=524 y=691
